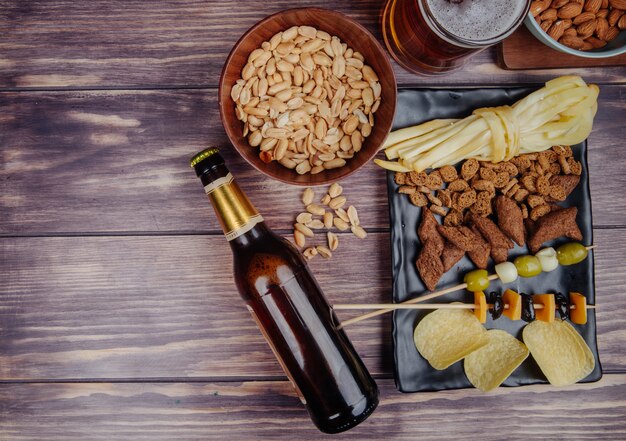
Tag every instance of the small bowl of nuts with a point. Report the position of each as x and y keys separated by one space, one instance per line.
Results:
x=584 y=28
x=307 y=96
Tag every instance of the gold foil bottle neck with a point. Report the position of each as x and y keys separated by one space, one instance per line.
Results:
x=234 y=210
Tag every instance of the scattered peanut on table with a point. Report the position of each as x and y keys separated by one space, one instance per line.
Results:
x=336 y=217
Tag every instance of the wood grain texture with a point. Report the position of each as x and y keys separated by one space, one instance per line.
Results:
x=101 y=162
x=144 y=307
x=270 y=410
x=179 y=43
x=150 y=307
x=523 y=51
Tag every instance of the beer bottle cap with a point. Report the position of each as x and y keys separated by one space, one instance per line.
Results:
x=205 y=160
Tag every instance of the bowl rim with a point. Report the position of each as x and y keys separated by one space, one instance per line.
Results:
x=530 y=22
x=385 y=60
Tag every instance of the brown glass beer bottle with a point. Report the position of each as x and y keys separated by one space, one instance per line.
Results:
x=289 y=307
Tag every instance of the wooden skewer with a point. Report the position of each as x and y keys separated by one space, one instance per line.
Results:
x=421 y=299
x=394 y=306
x=430 y=296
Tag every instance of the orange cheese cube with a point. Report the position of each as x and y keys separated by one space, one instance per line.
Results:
x=480 y=306
x=512 y=304
x=545 y=314
x=578 y=311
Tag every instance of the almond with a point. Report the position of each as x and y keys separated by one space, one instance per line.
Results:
x=596 y=42
x=571 y=32
x=602 y=13
x=556 y=4
x=602 y=27
x=618 y=4
x=586 y=29
x=545 y=25
x=573 y=42
x=586 y=46
x=592 y=5
x=614 y=16
x=567 y=23
x=612 y=33
x=621 y=23
x=538 y=6
x=556 y=30
x=605 y=4
x=585 y=16
x=570 y=10
x=548 y=14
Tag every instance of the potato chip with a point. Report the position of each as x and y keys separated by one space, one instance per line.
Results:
x=487 y=367
x=560 y=352
x=445 y=336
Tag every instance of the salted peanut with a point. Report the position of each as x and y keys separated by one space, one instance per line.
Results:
x=333 y=240
x=335 y=190
x=340 y=224
x=325 y=199
x=304 y=218
x=299 y=238
x=309 y=253
x=304 y=230
x=328 y=219
x=358 y=231
x=335 y=163
x=353 y=215
x=324 y=252
x=337 y=202
x=342 y=214
x=315 y=209
x=307 y=196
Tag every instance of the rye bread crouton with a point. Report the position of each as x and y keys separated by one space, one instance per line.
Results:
x=510 y=219
x=462 y=237
x=555 y=224
x=480 y=253
x=450 y=256
x=427 y=231
x=491 y=232
x=429 y=265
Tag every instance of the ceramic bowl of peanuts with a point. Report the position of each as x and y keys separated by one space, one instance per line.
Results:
x=585 y=28
x=307 y=96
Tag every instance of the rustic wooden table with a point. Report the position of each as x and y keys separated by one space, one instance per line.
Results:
x=119 y=318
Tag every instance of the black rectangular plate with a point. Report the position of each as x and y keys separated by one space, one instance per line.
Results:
x=412 y=372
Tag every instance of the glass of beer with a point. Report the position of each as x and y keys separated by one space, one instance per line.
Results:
x=432 y=37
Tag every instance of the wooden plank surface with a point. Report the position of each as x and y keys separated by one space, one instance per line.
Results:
x=134 y=43
x=117 y=161
x=151 y=307
x=523 y=51
x=270 y=410
x=112 y=267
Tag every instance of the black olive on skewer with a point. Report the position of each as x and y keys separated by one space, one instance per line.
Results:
x=495 y=298
x=528 y=308
x=562 y=305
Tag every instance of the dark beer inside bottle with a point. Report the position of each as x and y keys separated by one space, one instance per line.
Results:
x=299 y=325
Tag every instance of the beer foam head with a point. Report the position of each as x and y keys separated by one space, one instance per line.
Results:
x=477 y=20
